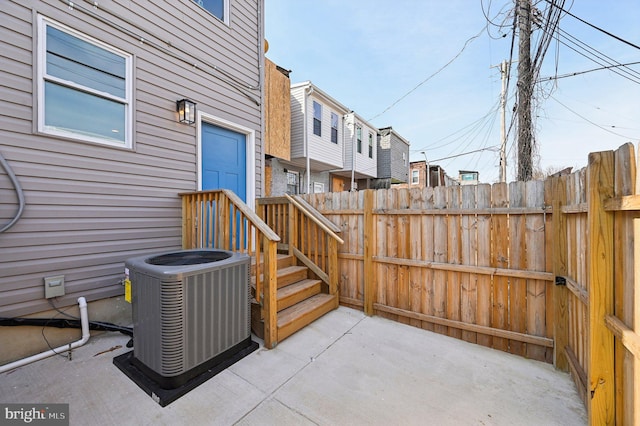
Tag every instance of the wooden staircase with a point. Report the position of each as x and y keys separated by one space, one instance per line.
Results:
x=301 y=299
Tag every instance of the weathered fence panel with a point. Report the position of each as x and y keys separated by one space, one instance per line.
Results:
x=546 y=270
x=601 y=284
x=460 y=261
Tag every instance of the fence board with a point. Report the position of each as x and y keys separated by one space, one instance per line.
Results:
x=427 y=253
x=415 y=252
x=403 y=246
x=535 y=260
x=483 y=303
x=624 y=239
x=500 y=259
x=517 y=260
x=469 y=242
x=600 y=368
x=392 y=251
x=559 y=254
x=381 y=249
x=440 y=255
x=453 y=257
x=549 y=236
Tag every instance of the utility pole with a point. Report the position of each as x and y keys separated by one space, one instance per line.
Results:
x=525 y=92
x=503 y=131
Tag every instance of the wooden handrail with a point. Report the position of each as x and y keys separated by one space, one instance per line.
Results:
x=240 y=205
x=230 y=232
x=335 y=228
x=308 y=213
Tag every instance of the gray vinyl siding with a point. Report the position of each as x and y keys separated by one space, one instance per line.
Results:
x=399 y=167
x=391 y=148
x=89 y=207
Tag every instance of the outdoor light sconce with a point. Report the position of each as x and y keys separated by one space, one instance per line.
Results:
x=186 y=111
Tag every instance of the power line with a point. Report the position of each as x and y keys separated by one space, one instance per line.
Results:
x=599 y=61
x=552 y=3
x=466 y=43
x=491 y=148
x=573 y=74
x=591 y=122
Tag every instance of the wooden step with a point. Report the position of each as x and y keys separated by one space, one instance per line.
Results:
x=285 y=277
x=284 y=260
x=297 y=292
x=291 y=274
x=304 y=313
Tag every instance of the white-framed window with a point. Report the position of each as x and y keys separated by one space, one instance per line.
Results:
x=292 y=182
x=334 y=127
x=84 y=87
x=218 y=8
x=404 y=159
x=359 y=139
x=318 y=187
x=317 y=119
x=415 y=177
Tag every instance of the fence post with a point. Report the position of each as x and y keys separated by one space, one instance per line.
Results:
x=560 y=292
x=270 y=289
x=332 y=255
x=369 y=247
x=187 y=221
x=600 y=364
x=627 y=366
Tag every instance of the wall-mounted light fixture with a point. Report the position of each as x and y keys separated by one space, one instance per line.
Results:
x=186 y=111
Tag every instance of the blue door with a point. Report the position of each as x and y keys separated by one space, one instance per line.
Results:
x=224 y=160
x=224 y=166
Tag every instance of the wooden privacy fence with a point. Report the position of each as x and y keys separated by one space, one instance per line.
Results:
x=544 y=269
x=465 y=261
x=597 y=247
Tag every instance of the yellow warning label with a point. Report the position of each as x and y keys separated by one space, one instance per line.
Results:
x=127 y=290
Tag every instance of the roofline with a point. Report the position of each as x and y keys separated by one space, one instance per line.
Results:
x=321 y=92
x=390 y=129
x=359 y=118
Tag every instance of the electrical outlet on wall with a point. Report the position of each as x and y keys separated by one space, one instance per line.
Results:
x=53 y=286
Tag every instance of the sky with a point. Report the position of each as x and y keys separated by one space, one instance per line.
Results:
x=430 y=69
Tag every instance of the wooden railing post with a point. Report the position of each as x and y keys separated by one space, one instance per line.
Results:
x=293 y=229
x=187 y=222
x=600 y=364
x=560 y=293
x=270 y=290
x=369 y=251
x=333 y=266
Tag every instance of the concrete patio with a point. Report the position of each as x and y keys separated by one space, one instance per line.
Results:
x=345 y=368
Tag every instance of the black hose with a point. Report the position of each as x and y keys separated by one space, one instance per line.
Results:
x=65 y=323
x=19 y=192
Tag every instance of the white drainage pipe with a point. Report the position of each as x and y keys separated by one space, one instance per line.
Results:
x=84 y=320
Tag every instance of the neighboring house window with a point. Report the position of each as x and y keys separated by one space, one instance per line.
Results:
x=334 y=127
x=317 y=119
x=415 y=177
x=370 y=145
x=359 y=139
x=318 y=187
x=84 y=86
x=292 y=182
x=215 y=7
